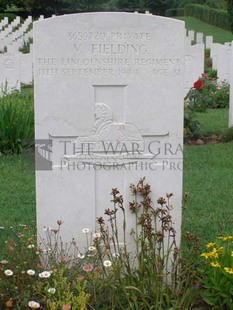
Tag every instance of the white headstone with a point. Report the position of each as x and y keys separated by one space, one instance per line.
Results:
x=26 y=68
x=3 y=22
x=194 y=65
x=208 y=41
x=231 y=90
x=199 y=37
x=188 y=41
x=16 y=21
x=9 y=72
x=214 y=54
x=103 y=81
x=191 y=34
x=12 y=48
x=224 y=60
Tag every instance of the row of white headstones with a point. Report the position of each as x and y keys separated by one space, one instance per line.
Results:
x=219 y=53
x=222 y=61
x=17 y=68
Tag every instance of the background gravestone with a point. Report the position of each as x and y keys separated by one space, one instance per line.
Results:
x=208 y=41
x=109 y=96
x=230 y=122
x=9 y=73
x=224 y=61
x=194 y=65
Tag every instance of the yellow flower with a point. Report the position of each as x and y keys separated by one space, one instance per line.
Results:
x=227 y=238
x=229 y=270
x=210 y=245
x=215 y=264
x=213 y=253
x=205 y=255
x=231 y=253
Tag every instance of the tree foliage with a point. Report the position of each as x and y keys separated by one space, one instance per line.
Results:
x=3 y=4
x=154 y=6
x=230 y=13
x=157 y=7
x=54 y=5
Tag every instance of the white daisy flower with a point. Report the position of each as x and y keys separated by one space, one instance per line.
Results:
x=81 y=256
x=52 y=290
x=107 y=263
x=45 y=274
x=85 y=230
x=92 y=248
x=8 y=272
x=31 y=246
x=33 y=304
x=31 y=272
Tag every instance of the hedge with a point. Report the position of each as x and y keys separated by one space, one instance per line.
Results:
x=174 y=12
x=10 y=16
x=230 y=13
x=214 y=17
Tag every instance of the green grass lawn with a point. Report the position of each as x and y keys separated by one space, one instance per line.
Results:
x=220 y=35
x=208 y=178
x=213 y=122
x=17 y=191
x=26 y=91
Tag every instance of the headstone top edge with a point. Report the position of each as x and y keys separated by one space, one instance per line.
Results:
x=67 y=16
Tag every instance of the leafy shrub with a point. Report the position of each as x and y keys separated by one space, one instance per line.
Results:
x=208 y=61
x=230 y=13
x=26 y=46
x=217 y=4
x=207 y=93
x=174 y=12
x=221 y=96
x=10 y=16
x=228 y=135
x=208 y=15
x=191 y=125
x=25 y=284
x=200 y=96
x=16 y=122
x=212 y=73
x=217 y=274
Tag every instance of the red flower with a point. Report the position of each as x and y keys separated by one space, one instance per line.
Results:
x=198 y=84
